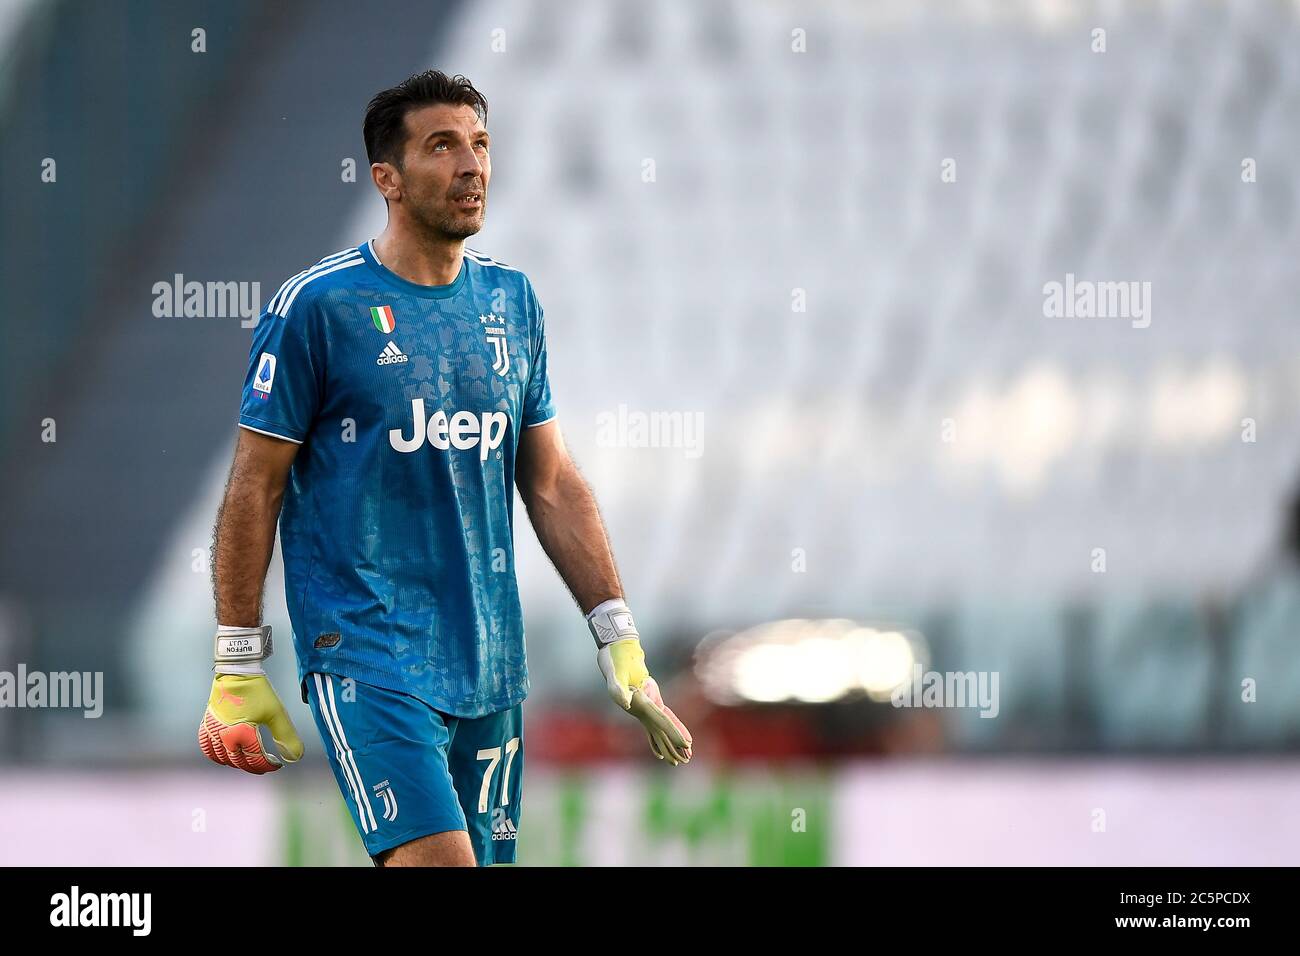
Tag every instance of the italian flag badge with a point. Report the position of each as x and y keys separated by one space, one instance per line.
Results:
x=383 y=318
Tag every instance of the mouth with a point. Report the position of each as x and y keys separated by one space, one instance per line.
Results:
x=469 y=201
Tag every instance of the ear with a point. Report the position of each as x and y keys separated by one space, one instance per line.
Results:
x=387 y=179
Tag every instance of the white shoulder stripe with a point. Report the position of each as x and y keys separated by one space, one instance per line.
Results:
x=275 y=300
x=333 y=257
x=486 y=260
x=293 y=283
x=307 y=280
x=279 y=296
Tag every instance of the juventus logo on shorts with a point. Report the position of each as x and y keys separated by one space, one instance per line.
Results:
x=495 y=327
x=384 y=790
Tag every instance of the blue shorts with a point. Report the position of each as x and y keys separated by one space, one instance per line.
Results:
x=407 y=770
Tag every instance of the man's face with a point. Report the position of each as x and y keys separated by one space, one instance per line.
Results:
x=445 y=169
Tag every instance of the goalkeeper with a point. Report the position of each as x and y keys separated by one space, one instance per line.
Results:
x=396 y=396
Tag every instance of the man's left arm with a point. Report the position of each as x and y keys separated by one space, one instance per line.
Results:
x=567 y=521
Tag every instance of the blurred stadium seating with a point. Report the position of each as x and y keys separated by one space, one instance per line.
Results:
x=892 y=432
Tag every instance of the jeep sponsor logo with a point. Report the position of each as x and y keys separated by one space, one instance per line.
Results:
x=463 y=430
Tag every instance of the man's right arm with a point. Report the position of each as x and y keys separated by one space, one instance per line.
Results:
x=244 y=536
x=242 y=700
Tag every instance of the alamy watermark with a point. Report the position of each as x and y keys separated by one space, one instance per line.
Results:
x=949 y=689
x=629 y=428
x=208 y=300
x=129 y=910
x=1084 y=299
x=76 y=690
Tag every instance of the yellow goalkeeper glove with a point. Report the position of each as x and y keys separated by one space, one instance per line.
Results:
x=630 y=685
x=243 y=701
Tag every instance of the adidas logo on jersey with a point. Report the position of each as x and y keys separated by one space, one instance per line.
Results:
x=502 y=828
x=391 y=355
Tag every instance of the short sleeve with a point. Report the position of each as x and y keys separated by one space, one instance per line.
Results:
x=282 y=388
x=539 y=407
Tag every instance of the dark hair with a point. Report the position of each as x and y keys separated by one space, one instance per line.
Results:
x=385 y=125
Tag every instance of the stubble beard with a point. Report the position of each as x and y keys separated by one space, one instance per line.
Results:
x=441 y=223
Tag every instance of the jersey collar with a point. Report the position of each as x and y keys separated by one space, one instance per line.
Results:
x=367 y=251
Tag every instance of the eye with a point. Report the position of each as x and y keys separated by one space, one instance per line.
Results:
x=438 y=146
x=482 y=144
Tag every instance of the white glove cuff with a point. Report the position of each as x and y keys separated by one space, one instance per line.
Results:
x=251 y=670
x=241 y=650
x=611 y=621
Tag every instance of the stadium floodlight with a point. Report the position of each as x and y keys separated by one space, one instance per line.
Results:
x=808 y=661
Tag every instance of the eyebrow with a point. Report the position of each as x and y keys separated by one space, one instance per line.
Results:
x=452 y=133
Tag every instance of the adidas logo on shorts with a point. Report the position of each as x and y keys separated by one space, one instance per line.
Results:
x=502 y=828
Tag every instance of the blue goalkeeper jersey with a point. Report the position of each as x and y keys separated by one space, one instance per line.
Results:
x=397 y=522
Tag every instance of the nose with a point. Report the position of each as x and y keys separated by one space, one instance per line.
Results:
x=469 y=164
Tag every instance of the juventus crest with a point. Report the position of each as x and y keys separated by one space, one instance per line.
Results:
x=384 y=790
x=495 y=328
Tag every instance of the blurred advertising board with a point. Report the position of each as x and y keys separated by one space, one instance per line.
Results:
x=900 y=813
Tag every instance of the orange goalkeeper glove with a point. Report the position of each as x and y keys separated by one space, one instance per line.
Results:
x=242 y=702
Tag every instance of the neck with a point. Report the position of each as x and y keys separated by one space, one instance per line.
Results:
x=424 y=260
